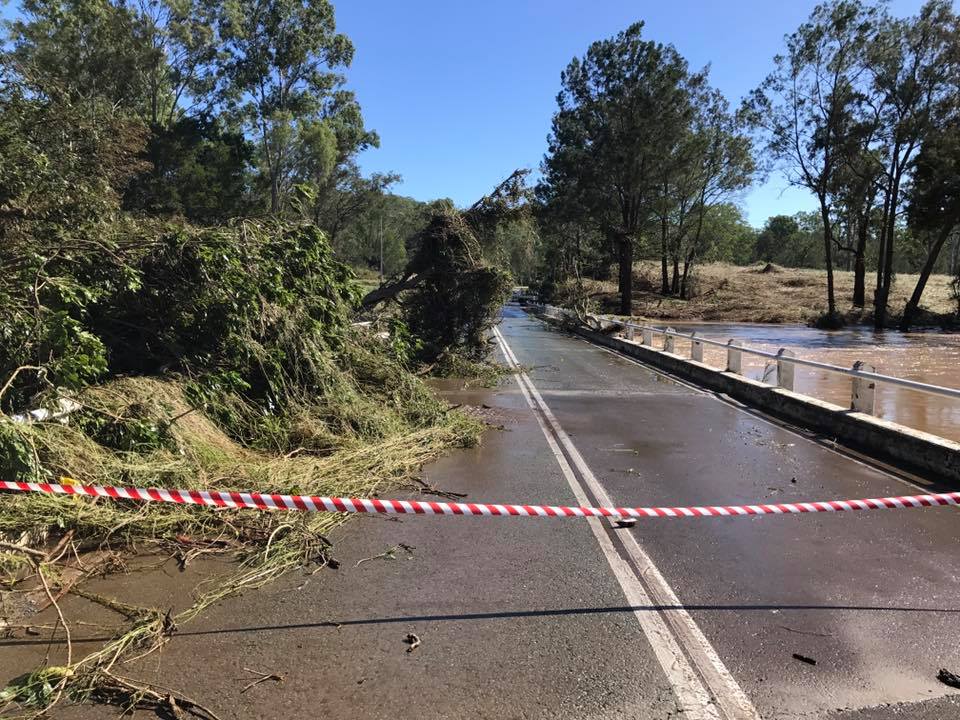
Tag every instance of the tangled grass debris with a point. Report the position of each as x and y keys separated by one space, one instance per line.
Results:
x=230 y=362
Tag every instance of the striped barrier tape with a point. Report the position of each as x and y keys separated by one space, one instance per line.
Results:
x=312 y=503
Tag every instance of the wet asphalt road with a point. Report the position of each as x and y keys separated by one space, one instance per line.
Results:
x=525 y=618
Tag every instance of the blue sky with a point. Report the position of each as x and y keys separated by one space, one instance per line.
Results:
x=462 y=92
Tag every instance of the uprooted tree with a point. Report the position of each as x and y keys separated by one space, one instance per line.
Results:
x=448 y=292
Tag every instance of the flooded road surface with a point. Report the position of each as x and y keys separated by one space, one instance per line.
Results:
x=696 y=618
x=930 y=357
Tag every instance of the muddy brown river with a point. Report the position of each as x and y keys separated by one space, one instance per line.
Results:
x=930 y=357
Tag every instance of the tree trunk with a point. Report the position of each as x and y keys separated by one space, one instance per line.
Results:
x=687 y=264
x=626 y=274
x=881 y=252
x=828 y=257
x=860 y=264
x=859 y=280
x=664 y=274
x=675 y=283
x=886 y=260
x=883 y=297
x=955 y=256
x=910 y=310
x=274 y=193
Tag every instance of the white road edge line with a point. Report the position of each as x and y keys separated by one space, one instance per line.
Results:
x=693 y=698
x=649 y=583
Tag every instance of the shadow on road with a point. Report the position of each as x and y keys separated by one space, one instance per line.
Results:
x=509 y=614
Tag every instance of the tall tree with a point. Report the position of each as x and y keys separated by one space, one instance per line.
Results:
x=718 y=164
x=279 y=74
x=934 y=204
x=804 y=104
x=620 y=105
x=87 y=52
x=907 y=60
x=182 y=45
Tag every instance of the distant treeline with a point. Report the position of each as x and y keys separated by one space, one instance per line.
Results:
x=862 y=109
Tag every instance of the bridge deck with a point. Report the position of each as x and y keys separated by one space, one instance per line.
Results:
x=540 y=618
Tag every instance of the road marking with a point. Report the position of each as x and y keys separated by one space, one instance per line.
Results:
x=691 y=693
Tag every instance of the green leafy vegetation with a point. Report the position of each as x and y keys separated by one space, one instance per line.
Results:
x=180 y=207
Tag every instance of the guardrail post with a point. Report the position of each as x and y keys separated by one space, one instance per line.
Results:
x=785 y=369
x=734 y=356
x=696 y=348
x=648 y=337
x=863 y=396
x=668 y=341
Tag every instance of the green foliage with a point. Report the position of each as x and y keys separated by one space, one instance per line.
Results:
x=730 y=237
x=197 y=171
x=81 y=50
x=404 y=346
x=375 y=216
x=935 y=195
x=256 y=303
x=458 y=300
x=61 y=173
x=791 y=241
x=279 y=67
x=17 y=456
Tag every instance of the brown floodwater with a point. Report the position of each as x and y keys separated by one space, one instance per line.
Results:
x=929 y=356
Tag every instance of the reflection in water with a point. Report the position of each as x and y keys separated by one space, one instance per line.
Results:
x=930 y=357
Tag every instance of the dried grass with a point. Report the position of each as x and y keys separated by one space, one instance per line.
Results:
x=410 y=431
x=729 y=293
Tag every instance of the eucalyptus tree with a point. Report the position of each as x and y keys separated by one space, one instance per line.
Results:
x=913 y=83
x=152 y=59
x=280 y=74
x=804 y=105
x=717 y=165
x=855 y=188
x=181 y=49
x=323 y=163
x=934 y=208
x=85 y=52
x=620 y=105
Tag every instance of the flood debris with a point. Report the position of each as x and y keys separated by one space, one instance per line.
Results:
x=390 y=554
x=948 y=678
x=263 y=677
x=425 y=488
x=805 y=632
x=413 y=641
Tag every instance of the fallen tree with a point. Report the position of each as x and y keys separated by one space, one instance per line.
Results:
x=448 y=293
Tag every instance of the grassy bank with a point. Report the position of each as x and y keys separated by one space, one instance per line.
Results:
x=761 y=294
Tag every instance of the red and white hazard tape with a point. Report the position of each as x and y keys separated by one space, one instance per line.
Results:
x=312 y=503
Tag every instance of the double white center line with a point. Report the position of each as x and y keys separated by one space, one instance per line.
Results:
x=704 y=688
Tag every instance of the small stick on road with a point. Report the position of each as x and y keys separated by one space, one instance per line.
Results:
x=263 y=678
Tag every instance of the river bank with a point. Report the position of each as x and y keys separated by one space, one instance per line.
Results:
x=759 y=294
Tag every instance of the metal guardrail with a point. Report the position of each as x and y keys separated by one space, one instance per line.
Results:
x=864 y=375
